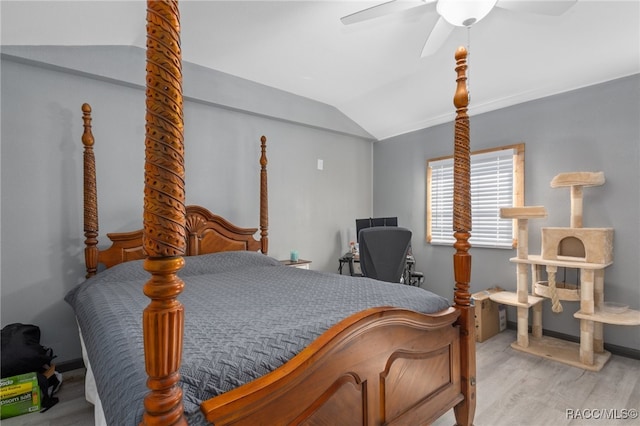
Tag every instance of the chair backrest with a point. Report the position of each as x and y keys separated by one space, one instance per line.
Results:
x=383 y=252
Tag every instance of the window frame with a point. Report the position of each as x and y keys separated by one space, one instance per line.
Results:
x=517 y=195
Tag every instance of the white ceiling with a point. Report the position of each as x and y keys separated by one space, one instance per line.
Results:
x=371 y=71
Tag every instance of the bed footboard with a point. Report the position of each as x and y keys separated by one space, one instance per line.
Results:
x=380 y=366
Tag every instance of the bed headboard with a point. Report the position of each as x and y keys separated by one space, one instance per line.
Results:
x=204 y=232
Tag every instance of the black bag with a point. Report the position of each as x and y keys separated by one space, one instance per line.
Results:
x=22 y=353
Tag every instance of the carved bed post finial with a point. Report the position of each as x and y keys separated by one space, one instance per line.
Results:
x=90 y=196
x=164 y=218
x=464 y=411
x=264 y=199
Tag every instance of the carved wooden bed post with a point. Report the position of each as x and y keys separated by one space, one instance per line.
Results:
x=164 y=215
x=90 y=196
x=264 y=200
x=462 y=259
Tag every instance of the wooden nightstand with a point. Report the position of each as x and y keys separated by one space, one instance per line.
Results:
x=301 y=263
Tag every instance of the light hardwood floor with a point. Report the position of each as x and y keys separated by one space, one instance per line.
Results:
x=514 y=388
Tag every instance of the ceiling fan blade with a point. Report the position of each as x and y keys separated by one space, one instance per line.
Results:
x=381 y=10
x=440 y=33
x=553 y=8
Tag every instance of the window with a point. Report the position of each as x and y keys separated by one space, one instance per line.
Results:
x=497 y=180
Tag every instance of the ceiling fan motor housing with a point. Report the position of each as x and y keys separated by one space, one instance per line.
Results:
x=464 y=13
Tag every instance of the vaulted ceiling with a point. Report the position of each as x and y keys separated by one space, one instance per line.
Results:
x=371 y=71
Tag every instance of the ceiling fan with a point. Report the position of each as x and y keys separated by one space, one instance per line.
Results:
x=457 y=13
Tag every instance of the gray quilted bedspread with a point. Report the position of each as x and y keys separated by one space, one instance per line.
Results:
x=245 y=315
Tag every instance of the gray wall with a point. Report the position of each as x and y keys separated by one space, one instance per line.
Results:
x=41 y=182
x=41 y=174
x=592 y=129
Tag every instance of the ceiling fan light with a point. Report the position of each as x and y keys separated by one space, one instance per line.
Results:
x=464 y=13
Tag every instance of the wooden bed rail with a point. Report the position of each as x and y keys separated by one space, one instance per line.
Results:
x=464 y=411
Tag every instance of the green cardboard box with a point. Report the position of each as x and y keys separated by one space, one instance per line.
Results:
x=19 y=395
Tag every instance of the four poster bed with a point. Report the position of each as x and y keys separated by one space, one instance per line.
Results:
x=230 y=335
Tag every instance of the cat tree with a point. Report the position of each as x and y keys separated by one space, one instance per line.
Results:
x=588 y=250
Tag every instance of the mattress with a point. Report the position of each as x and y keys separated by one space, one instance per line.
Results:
x=245 y=315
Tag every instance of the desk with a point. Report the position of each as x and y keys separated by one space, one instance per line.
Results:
x=409 y=276
x=348 y=258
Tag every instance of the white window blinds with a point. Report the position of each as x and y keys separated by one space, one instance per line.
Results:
x=492 y=187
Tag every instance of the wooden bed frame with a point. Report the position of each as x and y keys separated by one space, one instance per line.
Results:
x=380 y=366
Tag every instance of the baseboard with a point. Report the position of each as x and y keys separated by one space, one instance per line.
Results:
x=74 y=364
x=614 y=349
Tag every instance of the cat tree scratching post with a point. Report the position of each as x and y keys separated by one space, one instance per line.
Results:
x=589 y=250
x=591 y=246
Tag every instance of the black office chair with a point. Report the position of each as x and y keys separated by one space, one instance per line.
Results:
x=383 y=252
